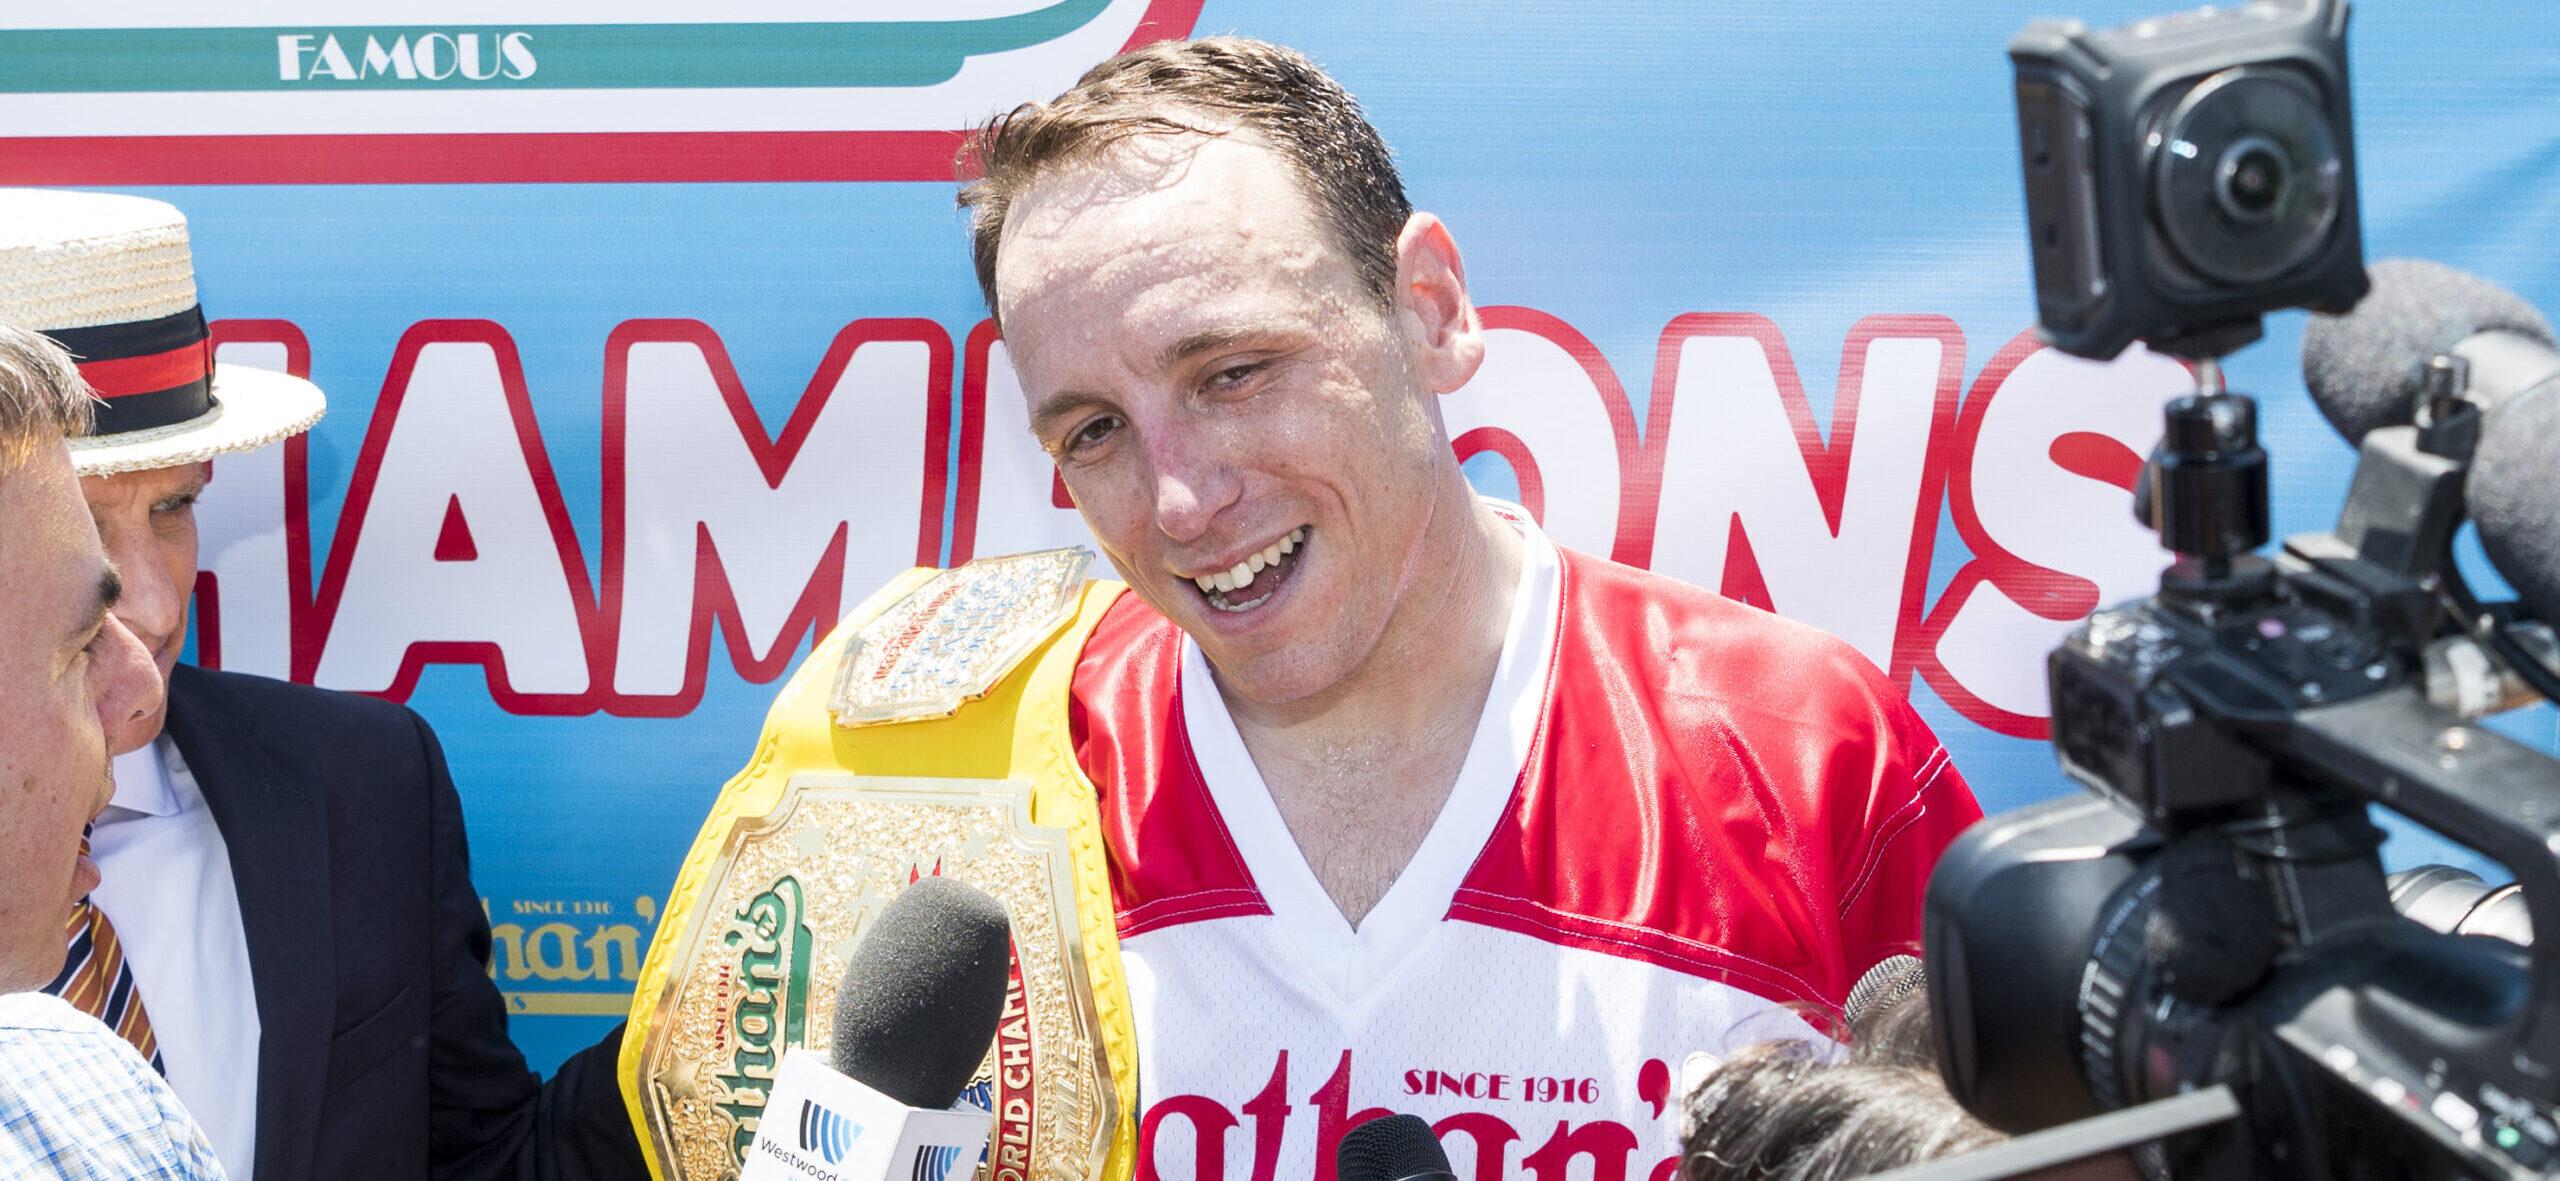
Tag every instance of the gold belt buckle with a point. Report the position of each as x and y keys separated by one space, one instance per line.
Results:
x=765 y=952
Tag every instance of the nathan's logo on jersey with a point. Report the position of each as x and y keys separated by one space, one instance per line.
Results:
x=772 y=1014
x=1506 y=1116
x=402 y=56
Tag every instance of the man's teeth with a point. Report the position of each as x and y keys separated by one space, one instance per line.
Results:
x=1242 y=576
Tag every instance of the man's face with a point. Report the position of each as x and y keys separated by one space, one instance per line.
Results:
x=68 y=671
x=1224 y=398
x=147 y=520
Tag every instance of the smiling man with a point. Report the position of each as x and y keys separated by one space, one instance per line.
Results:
x=1405 y=806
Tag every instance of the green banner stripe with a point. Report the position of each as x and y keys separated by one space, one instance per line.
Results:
x=568 y=57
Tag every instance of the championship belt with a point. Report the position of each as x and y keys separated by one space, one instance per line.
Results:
x=927 y=735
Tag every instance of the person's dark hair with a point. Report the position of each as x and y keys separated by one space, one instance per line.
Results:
x=1210 y=86
x=1797 y=1111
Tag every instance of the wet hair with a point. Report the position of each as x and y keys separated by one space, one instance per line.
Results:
x=42 y=396
x=1208 y=86
x=1799 y=1111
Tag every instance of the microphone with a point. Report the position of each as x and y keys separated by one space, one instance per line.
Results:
x=1391 y=1148
x=1884 y=985
x=2366 y=370
x=923 y=993
x=921 y=999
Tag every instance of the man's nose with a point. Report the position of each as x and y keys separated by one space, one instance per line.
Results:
x=153 y=605
x=124 y=682
x=1194 y=482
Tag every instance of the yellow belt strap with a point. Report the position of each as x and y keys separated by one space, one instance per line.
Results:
x=1017 y=731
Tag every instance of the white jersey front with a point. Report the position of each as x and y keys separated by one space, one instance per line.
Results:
x=1643 y=856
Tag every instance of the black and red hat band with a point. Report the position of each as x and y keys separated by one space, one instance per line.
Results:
x=152 y=373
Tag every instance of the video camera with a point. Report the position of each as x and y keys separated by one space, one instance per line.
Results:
x=2214 y=921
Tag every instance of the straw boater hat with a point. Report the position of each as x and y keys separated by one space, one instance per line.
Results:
x=109 y=278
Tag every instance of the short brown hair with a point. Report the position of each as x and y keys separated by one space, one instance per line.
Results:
x=42 y=397
x=1275 y=91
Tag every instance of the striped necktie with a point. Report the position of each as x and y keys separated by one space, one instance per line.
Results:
x=96 y=979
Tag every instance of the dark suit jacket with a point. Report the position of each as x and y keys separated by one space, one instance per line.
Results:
x=383 y=1049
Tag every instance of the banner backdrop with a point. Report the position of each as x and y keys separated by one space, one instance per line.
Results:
x=651 y=343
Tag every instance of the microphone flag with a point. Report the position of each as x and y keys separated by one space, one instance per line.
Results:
x=819 y=1125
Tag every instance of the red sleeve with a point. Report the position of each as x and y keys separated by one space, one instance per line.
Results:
x=1915 y=804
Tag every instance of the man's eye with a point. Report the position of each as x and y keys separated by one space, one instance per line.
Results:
x=1234 y=375
x=184 y=500
x=1092 y=433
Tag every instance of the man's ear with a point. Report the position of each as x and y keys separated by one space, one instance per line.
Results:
x=1432 y=308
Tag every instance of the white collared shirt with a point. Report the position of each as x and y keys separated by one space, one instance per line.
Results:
x=165 y=882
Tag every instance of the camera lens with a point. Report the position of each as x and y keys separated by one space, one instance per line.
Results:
x=2251 y=180
x=2247 y=177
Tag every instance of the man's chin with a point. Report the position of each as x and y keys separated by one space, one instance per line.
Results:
x=1268 y=677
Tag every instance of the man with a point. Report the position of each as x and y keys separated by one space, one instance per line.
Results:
x=75 y=1101
x=1405 y=806
x=284 y=867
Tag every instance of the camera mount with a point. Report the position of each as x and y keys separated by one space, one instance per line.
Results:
x=2219 y=917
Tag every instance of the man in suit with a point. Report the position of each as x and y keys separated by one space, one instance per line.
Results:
x=285 y=866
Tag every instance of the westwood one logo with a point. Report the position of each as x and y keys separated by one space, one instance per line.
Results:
x=826 y=1132
x=427 y=56
x=690 y=527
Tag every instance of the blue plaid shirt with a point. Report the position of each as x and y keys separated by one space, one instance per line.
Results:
x=77 y=1102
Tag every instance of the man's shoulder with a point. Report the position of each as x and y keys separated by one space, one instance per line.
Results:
x=1683 y=640
x=76 y=1101
x=42 y=1013
x=1710 y=791
x=309 y=706
x=42 y=1035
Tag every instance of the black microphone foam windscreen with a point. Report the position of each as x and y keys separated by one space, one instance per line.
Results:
x=1391 y=1148
x=2514 y=490
x=924 y=992
x=2364 y=367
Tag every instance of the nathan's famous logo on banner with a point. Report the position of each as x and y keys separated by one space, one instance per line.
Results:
x=568 y=957
x=385 y=56
x=568 y=90
x=456 y=543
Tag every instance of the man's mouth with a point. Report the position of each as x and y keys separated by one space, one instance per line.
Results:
x=1254 y=580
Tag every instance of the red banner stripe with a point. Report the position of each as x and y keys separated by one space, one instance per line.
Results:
x=126 y=376
x=481 y=158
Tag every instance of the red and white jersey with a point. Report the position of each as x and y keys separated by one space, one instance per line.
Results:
x=1681 y=820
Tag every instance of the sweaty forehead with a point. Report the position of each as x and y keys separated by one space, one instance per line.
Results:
x=1157 y=236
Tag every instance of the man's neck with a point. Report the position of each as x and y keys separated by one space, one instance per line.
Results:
x=1360 y=773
